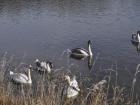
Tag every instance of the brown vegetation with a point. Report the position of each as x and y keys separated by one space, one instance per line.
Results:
x=46 y=92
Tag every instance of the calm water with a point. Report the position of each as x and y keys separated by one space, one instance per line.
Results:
x=45 y=28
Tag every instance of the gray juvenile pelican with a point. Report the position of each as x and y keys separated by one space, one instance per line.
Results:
x=80 y=53
x=44 y=66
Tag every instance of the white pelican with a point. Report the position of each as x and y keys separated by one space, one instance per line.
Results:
x=44 y=66
x=22 y=78
x=80 y=53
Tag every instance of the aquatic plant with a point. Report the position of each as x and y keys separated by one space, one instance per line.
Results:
x=46 y=92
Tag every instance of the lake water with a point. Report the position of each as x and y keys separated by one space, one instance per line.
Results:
x=45 y=28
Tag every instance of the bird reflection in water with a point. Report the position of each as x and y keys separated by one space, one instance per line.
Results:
x=137 y=45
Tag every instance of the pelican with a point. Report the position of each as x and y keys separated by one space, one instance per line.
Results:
x=80 y=53
x=72 y=90
x=136 y=37
x=22 y=78
x=44 y=66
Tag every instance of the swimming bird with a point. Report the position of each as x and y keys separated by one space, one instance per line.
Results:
x=22 y=78
x=44 y=66
x=136 y=37
x=72 y=89
x=80 y=53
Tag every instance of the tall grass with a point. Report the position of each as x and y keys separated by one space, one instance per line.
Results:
x=48 y=92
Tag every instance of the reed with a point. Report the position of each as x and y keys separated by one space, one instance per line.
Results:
x=48 y=92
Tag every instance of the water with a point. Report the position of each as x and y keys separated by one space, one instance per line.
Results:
x=45 y=28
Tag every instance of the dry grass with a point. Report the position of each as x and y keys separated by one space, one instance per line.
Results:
x=45 y=92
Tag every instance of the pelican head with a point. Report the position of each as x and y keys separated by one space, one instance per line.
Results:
x=30 y=66
x=37 y=60
x=67 y=77
x=89 y=42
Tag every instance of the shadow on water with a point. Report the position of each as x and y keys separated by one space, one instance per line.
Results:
x=90 y=62
x=137 y=45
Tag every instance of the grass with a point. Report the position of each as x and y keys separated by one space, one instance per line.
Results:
x=46 y=92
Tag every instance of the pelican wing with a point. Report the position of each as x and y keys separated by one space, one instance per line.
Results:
x=80 y=51
x=19 y=77
x=74 y=85
x=23 y=76
x=71 y=92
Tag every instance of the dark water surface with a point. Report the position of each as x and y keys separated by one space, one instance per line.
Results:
x=45 y=28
